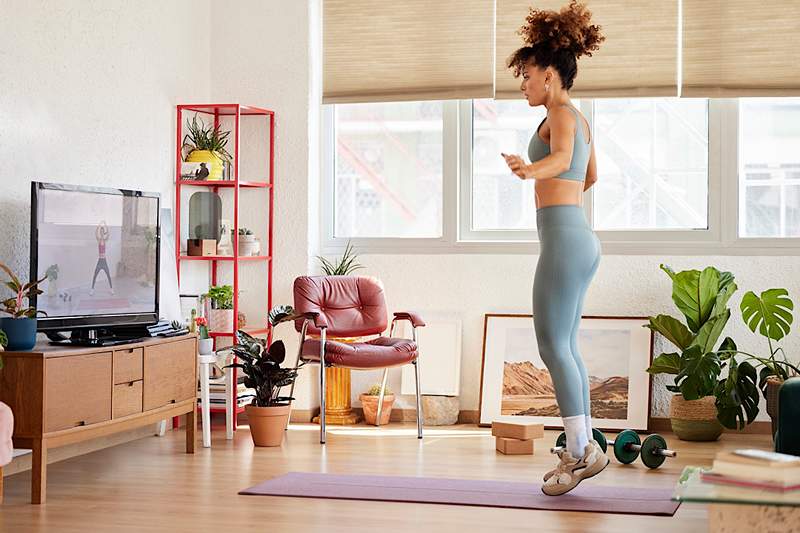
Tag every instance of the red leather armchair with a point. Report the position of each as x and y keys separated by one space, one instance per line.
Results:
x=351 y=306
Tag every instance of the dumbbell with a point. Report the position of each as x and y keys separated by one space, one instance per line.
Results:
x=628 y=446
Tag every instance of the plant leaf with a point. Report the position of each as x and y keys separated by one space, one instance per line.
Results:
x=666 y=363
x=771 y=313
x=737 y=396
x=710 y=331
x=695 y=293
x=724 y=294
x=672 y=329
x=698 y=374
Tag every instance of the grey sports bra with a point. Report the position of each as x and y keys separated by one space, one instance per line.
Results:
x=581 y=150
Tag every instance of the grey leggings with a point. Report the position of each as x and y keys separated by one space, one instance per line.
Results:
x=568 y=258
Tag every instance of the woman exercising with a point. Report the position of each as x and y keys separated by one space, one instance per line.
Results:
x=563 y=167
x=101 y=234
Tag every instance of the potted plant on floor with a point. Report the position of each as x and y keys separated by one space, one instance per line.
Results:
x=20 y=327
x=268 y=414
x=703 y=403
x=769 y=314
x=220 y=312
x=206 y=145
x=369 y=403
x=205 y=344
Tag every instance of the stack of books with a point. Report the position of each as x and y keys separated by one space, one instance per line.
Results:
x=755 y=469
x=216 y=394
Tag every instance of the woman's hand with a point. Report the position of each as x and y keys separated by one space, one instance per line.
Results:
x=518 y=166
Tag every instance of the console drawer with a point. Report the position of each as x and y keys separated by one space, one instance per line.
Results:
x=127 y=365
x=127 y=399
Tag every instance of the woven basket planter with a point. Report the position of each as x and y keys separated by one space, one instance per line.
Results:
x=773 y=386
x=694 y=420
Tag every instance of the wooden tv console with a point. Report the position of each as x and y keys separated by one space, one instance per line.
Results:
x=62 y=395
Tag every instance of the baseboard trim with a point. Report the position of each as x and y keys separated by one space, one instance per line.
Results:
x=756 y=428
x=472 y=416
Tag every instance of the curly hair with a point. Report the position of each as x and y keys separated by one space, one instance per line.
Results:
x=557 y=39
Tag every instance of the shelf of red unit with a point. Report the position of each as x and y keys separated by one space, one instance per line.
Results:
x=237 y=111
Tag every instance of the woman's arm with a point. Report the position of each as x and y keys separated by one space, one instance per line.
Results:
x=591 y=172
x=562 y=137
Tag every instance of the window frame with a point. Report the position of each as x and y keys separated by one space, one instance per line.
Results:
x=721 y=237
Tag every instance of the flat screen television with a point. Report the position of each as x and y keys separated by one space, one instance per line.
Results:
x=98 y=249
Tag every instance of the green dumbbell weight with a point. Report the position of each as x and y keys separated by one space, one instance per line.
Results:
x=654 y=451
x=561 y=441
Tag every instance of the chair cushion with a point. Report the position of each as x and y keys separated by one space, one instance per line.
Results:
x=352 y=306
x=6 y=429
x=376 y=353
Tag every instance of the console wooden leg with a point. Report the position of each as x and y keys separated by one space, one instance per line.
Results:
x=191 y=426
x=1 y=484
x=39 y=472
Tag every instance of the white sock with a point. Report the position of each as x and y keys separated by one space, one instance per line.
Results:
x=589 y=433
x=575 y=428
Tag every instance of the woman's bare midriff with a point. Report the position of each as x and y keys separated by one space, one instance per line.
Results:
x=558 y=191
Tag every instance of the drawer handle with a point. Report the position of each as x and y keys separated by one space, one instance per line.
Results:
x=172 y=401
x=131 y=384
x=81 y=423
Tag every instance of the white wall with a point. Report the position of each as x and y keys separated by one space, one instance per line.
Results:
x=87 y=96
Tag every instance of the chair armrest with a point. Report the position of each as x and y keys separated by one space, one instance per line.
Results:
x=411 y=316
x=318 y=320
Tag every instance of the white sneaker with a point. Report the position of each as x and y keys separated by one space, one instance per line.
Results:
x=571 y=471
x=91 y=292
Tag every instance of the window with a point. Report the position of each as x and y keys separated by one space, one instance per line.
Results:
x=422 y=177
x=500 y=200
x=769 y=167
x=388 y=170
x=652 y=156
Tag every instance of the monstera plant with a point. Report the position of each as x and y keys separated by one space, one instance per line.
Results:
x=702 y=298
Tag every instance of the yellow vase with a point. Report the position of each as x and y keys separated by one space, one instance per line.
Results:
x=212 y=160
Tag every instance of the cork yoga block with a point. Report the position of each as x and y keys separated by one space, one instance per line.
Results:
x=514 y=446
x=514 y=430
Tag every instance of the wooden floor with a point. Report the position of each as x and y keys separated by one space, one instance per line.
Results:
x=151 y=485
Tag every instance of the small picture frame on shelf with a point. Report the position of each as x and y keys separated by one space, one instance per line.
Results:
x=198 y=171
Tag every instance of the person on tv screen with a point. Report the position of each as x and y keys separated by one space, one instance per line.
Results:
x=102 y=234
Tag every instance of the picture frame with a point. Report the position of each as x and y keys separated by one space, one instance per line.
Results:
x=511 y=364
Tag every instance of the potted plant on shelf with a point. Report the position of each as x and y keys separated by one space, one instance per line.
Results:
x=369 y=403
x=247 y=242
x=206 y=145
x=220 y=312
x=703 y=403
x=205 y=344
x=268 y=414
x=20 y=327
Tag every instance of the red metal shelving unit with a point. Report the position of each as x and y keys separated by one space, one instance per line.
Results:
x=237 y=111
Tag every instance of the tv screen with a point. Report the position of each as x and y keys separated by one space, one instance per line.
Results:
x=98 y=250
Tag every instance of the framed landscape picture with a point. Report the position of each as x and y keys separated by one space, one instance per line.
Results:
x=516 y=385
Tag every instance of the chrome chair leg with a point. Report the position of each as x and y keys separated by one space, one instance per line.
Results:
x=322 y=388
x=380 y=398
x=416 y=375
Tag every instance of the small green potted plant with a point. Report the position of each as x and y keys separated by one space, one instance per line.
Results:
x=247 y=242
x=268 y=414
x=206 y=144
x=344 y=266
x=369 y=403
x=20 y=326
x=220 y=307
x=205 y=344
x=703 y=402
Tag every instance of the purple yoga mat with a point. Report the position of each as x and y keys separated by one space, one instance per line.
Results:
x=588 y=497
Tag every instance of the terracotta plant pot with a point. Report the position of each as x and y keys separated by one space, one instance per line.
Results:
x=370 y=405
x=694 y=420
x=267 y=424
x=773 y=386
